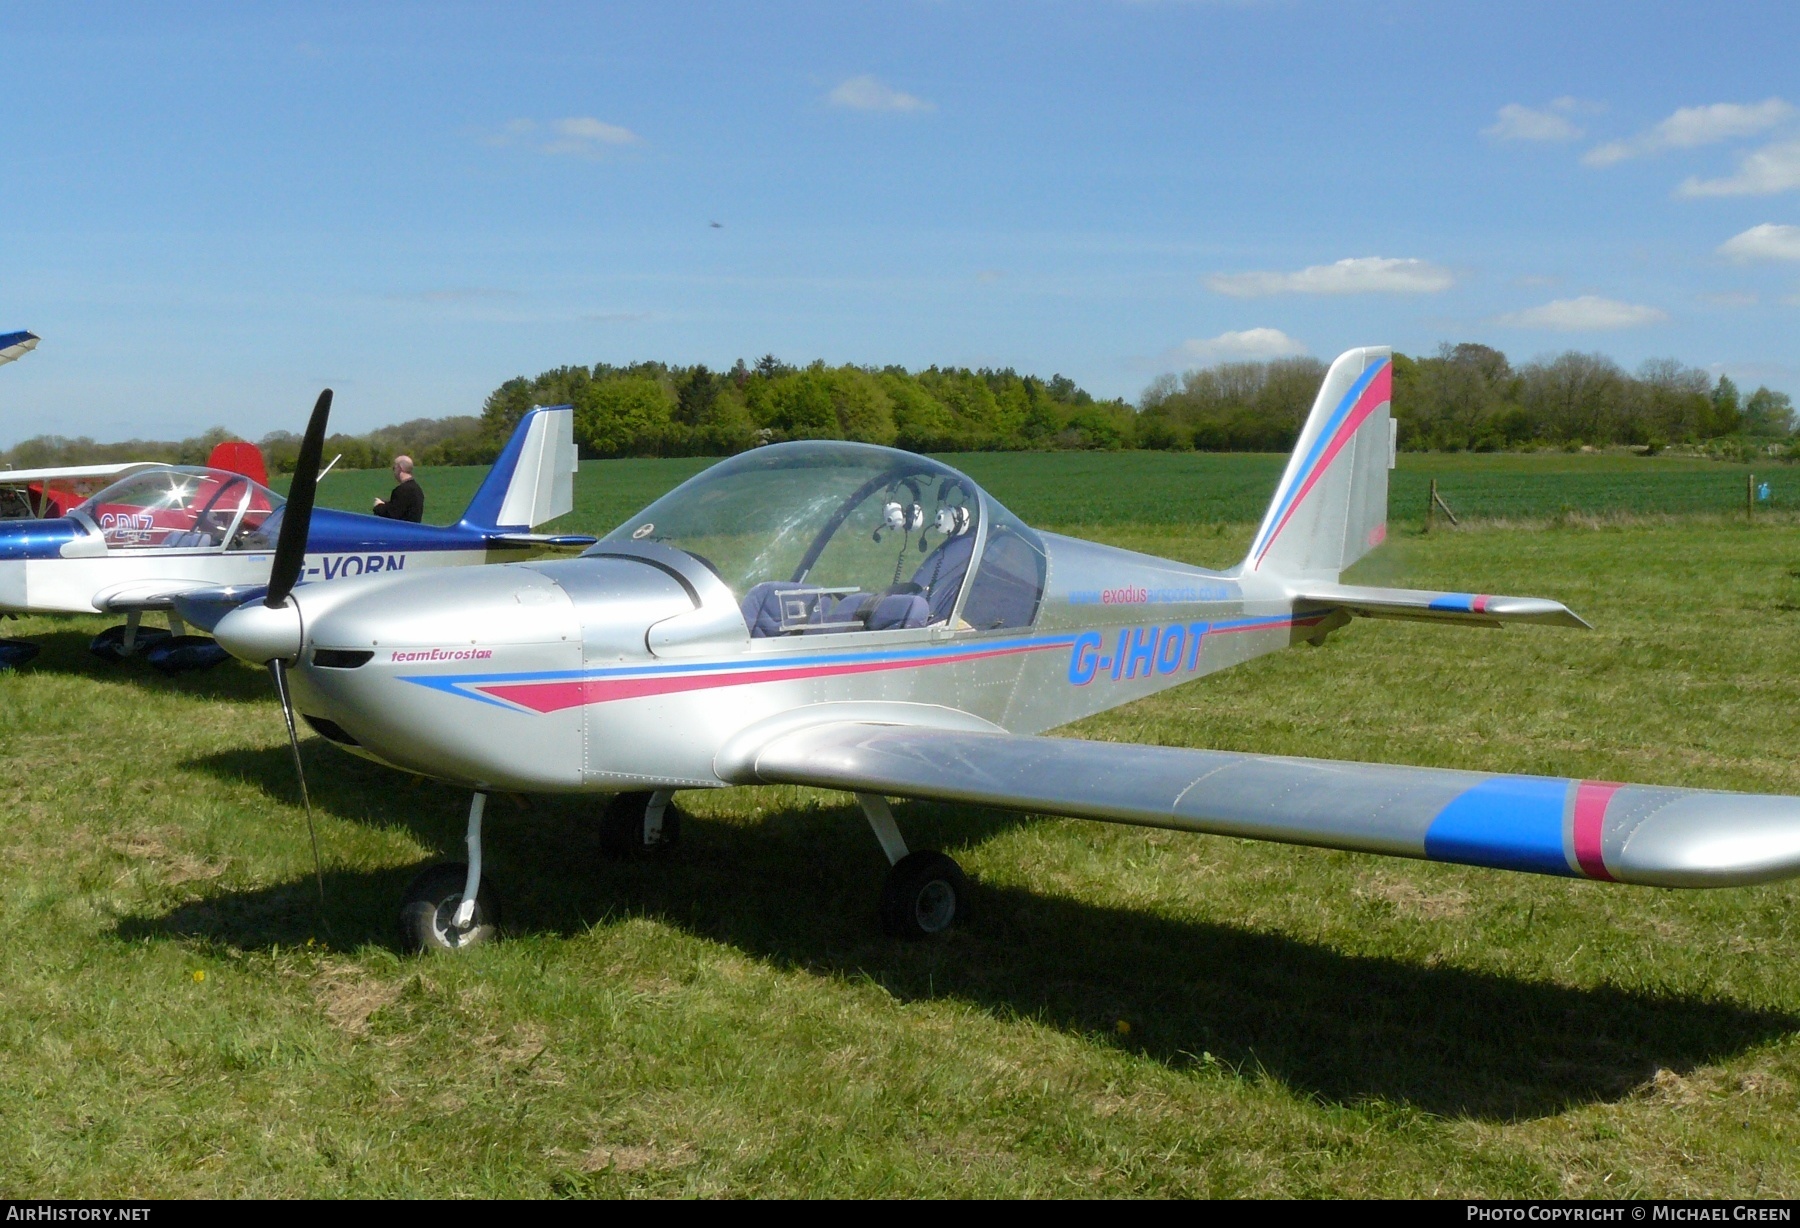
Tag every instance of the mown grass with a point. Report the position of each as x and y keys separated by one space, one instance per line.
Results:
x=1129 y=1012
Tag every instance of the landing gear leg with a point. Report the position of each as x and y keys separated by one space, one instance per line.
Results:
x=881 y=822
x=127 y=638
x=450 y=906
x=925 y=893
x=638 y=824
x=465 y=912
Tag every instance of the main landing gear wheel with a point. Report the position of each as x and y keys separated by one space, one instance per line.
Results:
x=180 y=654
x=14 y=653
x=639 y=824
x=923 y=896
x=428 y=912
x=109 y=645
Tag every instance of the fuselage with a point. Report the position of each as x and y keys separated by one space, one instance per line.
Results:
x=635 y=666
x=68 y=566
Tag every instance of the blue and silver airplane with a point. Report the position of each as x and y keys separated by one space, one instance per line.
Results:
x=193 y=542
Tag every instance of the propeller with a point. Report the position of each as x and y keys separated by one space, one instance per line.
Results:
x=269 y=631
x=296 y=517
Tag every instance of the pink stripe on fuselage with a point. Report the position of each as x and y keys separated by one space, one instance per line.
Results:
x=1380 y=389
x=579 y=692
x=1591 y=799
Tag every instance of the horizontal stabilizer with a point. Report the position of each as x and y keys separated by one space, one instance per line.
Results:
x=561 y=541
x=1581 y=828
x=1481 y=609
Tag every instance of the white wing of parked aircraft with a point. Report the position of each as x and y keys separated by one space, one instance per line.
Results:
x=13 y=345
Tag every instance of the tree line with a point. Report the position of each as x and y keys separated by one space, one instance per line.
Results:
x=654 y=409
x=1465 y=397
x=1470 y=397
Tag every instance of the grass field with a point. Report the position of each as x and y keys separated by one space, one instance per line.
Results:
x=1129 y=1012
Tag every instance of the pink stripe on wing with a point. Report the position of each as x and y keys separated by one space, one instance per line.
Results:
x=1591 y=799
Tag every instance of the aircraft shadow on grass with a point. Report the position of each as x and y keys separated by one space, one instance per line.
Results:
x=66 y=653
x=798 y=891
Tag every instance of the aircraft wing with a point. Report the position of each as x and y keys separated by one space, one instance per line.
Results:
x=141 y=595
x=19 y=477
x=1481 y=609
x=1627 y=833
x=12 y=345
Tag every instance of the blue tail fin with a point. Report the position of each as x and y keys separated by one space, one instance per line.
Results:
x=533 y=480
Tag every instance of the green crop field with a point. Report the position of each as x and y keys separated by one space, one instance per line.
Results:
x=1095 y=489
x=1128 y=1012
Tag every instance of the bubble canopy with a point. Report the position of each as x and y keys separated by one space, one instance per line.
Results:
x=845 y=519
x=187 y=506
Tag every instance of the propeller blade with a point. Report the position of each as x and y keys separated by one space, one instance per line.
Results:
x=296 y=519
x=278 y=670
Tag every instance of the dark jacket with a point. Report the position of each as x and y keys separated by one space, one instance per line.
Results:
x=406 y=503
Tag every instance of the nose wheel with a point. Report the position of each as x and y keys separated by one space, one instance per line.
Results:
x=451 y=906
x=429 y=919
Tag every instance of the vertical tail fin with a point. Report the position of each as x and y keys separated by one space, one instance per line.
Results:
x=1331 y=506
x=533 y=480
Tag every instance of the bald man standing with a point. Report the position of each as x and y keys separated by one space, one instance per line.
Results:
x=408 y=501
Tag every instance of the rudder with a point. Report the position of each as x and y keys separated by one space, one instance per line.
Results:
x=1331 y=506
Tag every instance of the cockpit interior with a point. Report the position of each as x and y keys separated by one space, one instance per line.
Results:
x=824 y=537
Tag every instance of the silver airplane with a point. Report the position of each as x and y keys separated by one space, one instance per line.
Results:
x=858 y=618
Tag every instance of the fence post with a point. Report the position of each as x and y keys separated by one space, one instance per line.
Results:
x=1430 y=505
x=1750 y=497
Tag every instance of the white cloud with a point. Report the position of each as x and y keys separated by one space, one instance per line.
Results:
x=512 y=132
x=1252 y=344
x=1589 y=313
x=1693 y=126
x=578 y=136
x=865 y=93
x=1766 y=242
x=1517 y=122
x=1764 y=172
x=586 y=137
x=1360 y=275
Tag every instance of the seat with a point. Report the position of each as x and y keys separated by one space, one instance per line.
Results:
x=887 y=612
x=940 y=576
x=762 y=608
x=189 y=538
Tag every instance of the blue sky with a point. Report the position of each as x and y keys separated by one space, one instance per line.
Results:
x=210 y=212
